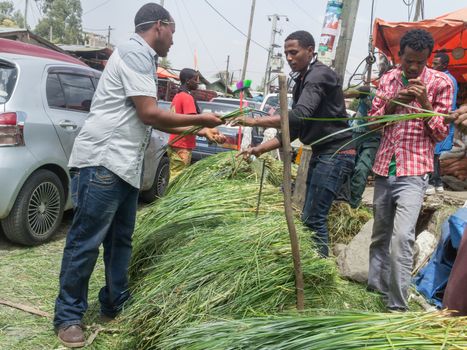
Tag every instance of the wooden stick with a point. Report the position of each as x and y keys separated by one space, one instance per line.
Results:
x=261 y=181
x=287 y=184
x=25 y=308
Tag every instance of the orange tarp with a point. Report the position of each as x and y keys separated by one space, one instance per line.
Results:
x=164 y=73
x=447 y=30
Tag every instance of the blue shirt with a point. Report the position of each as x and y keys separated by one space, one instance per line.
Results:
x=446 y=144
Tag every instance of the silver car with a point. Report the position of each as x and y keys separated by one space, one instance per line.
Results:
x=43 y=104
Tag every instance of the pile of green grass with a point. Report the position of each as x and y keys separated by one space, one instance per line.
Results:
x=344 y=222
x=421 y=331
x=200 y=253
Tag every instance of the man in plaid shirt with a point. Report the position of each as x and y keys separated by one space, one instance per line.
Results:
x=403 y=161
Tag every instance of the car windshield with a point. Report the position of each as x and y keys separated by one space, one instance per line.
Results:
x=8 y=75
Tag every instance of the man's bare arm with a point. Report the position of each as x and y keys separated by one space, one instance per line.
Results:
x=151 y=114
x=273 y=121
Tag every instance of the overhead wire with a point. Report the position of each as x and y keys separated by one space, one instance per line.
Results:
x=187 y=38
x=233 y=25
x=305 y=12
x=96 y=29
x=96 y=7
x=200 y=37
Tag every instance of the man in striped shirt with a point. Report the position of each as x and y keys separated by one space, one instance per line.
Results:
x=403 y=161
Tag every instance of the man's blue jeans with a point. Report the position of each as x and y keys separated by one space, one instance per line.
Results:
x=104 y=213
x=326 y=174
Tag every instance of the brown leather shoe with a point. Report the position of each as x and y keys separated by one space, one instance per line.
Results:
x=72 y=336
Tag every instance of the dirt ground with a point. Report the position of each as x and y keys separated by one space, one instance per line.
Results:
x=29 y=276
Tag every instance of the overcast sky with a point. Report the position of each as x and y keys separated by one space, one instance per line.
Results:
x=200 y=28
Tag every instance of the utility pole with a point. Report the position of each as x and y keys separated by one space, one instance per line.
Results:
x=349 y=16
x=247 y=49
x=227 y=74
x=108 y=35
x=267 y=76
x=162 y=3
x=26 y=5
x=371 y=50
x=50 y=33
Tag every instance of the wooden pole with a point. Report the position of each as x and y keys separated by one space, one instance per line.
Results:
x=247 y=48
x=349 y=16
x=287 y=185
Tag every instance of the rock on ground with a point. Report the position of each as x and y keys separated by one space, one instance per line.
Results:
x=353 y=261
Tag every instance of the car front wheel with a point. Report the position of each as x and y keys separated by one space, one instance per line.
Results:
x=38 y=210
x=161 y=180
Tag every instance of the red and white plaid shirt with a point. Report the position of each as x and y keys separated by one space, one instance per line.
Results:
x=412 y=141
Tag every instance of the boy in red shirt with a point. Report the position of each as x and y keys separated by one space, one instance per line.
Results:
x=184 y=103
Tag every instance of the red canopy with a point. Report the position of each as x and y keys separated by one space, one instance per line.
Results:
x=447 y=30
x=164 y=73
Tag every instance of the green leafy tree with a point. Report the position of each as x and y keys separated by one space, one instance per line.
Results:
x=62 y=18
x=165 y=63
x=8 y=16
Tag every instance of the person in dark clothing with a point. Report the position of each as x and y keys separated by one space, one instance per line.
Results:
x=317 y=93
x=455 y=295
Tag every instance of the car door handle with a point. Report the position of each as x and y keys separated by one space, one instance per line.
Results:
x=67 y=124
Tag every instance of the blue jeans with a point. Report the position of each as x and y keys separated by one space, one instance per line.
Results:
x=326 y=174
x=104 y=213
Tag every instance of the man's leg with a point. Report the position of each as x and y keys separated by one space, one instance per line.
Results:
x=383 y=212
x=117 y=254
x=437 y=182
x=408 y=194
x=326 y=176
x=180 y=158
x=95 y=196
x=363 y=165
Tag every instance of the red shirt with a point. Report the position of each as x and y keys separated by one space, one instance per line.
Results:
x=412 y=141
x=183 y=103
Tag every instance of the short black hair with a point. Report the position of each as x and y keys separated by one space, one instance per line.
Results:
x=418 y=40
x=151 y=13
x=304 y=38
x=186 y=74
x=443 y=57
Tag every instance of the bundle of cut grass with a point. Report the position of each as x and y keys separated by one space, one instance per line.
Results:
x=225 y=166
x=341 y=331
x=200 y=253
x=239 y=269
x=175 y=218
x=344 y=222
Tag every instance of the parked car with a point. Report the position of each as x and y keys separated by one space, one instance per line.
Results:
x=45 y=97
x=271 y=102
x=233 y=134
x=236 y=102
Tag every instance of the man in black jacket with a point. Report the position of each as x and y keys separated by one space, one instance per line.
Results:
x=317 y=93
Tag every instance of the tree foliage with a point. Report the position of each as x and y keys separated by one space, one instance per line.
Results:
x=165 y=63
x=8 y=16
x=64 y=17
